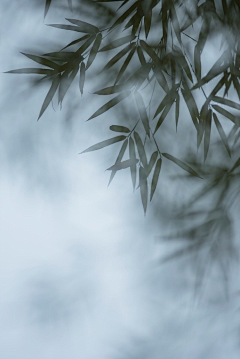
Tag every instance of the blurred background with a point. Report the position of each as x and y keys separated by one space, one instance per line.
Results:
x=82 y=270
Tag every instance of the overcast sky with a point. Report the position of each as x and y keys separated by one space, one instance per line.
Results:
x=79 y=263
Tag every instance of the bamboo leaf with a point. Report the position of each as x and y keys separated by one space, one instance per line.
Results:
x=141 y=56
x=142 y=112
x=133 y=161
x=147 y=22
x=117 y=128
x=200 y=132
x=163 y=115
x=236 y=164
x=175 y=23
x=84 y=26
x=191 y=104
x=117 y=43
x=94 y=50
x=160 y=78
x=221 y=133
x=113 y=89
x=118 y=160
x=105 y=143
x=64 y=85
x=42 y=61
x=169 y=98
x=32 y=71
x=66 y=27
x=110 y=104
x=50 y=95
x=47 y=6
x=125 y=65
x=121 y=165
x=152 y=161
x=225 y=113
x=141 y=150
x=177 y=110
x=86 y=44
x=150 y=52
x=181 y=164
x=124 y=16
x=207 y=133
x=118 y=57
x=226 y=102
x=82 y=77
x=143 y=188
x=155 y=177
x=76 y=41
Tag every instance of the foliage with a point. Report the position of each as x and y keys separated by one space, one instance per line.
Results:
x=157 y=54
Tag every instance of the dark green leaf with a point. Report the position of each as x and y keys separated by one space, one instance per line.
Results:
x=147 y=22
x=31 y=71
x=86 y=44
x=150 y=52
x=191 y=104
x=155 y=177
x=94 y=50
x=160 y=78
x=226 y=102
x=110 y=104
x=119 y=42
x=207 y=133
x=181 y=164
x=177 y=110
x=118 y=57
x=50 y=95
x=123 y=17
x=168 y=99
x=76 y=41
x=66 y=83
x=47 y=6
x=152 y=161
x=141 y=150
x=105 y=143
x=225 y=113
x=82 y=77
x=139 y=76
x=118 y=160
x=42 y=61
x=221 y=133
x=142 y=112
x=236 y=164
x=113 y=89
x=66 y=27
x=133 y=161
x=125 y=65
x=197 y=62
x=84 y=26
x=141 y=56
x=121 y=165
x=175 y=23
x=117 y=128
x=200 y=132
x=143 y=188
x=163 y=115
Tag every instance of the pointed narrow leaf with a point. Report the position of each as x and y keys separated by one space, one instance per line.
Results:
x=175 y=23
x=163 y=115
x=121 y=165
x=142 y=112
x=181 y=164
x=197 y=62
x=133 y=161
x=225 y=113
x=113 y=89
x=105 y=143
x=169 y=98
x=76 y=41
x=118 y=160
x=125 y=65
x=221 y=133
x=141 y=56
x=82 y=77
x=67 y=27
x=147 y=22
x=64 y=86
x=86 y=44
x=117 y=43
x=117 y=128
x=207 y=133
x=191 y=105
x=124 y=15
x=47 y=6
x=200 y=132
x=50 y=95
x=236 y=164
x=152 y=161
x=161 y=78
x=177 y=110
x=42 y=61
x=118 y=57
x=141 y=150
x=143 y=188
x=84 y=26
x=226 y=102
x=155 y=177
x=32 y=71
x=94 y=50
x=110 y=104
x=150 y=52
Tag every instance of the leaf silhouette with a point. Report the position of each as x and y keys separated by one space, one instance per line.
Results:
x=117 y=128
x=160 y=78
x=221 y=133
x=86 y=44
x=177 y=110
x=94 y=50
x=143 y=188
x=32 y=71
x=141 y=150
x=110 y=104
x=147 y=22
x=121 y=165
x=125 y=65
x=207 y=133
x=225 y=113
x=84 y=26
x=105 y=143
x=118 y=57
x=155 y=177
x=163 y=115
x=226 y=102
x=50 y=95
x=152 y=161
x=113 y=89
x=236 y=164
x=47 y=6
x=118 y=160
x=82 y=77
x=42 y=61
x=76 y=41
x=181 y=164
x=142 y=112
x=117 y=43
x=66 y=83
x=133 y=161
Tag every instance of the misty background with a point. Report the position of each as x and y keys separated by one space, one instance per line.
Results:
x=81 y=273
